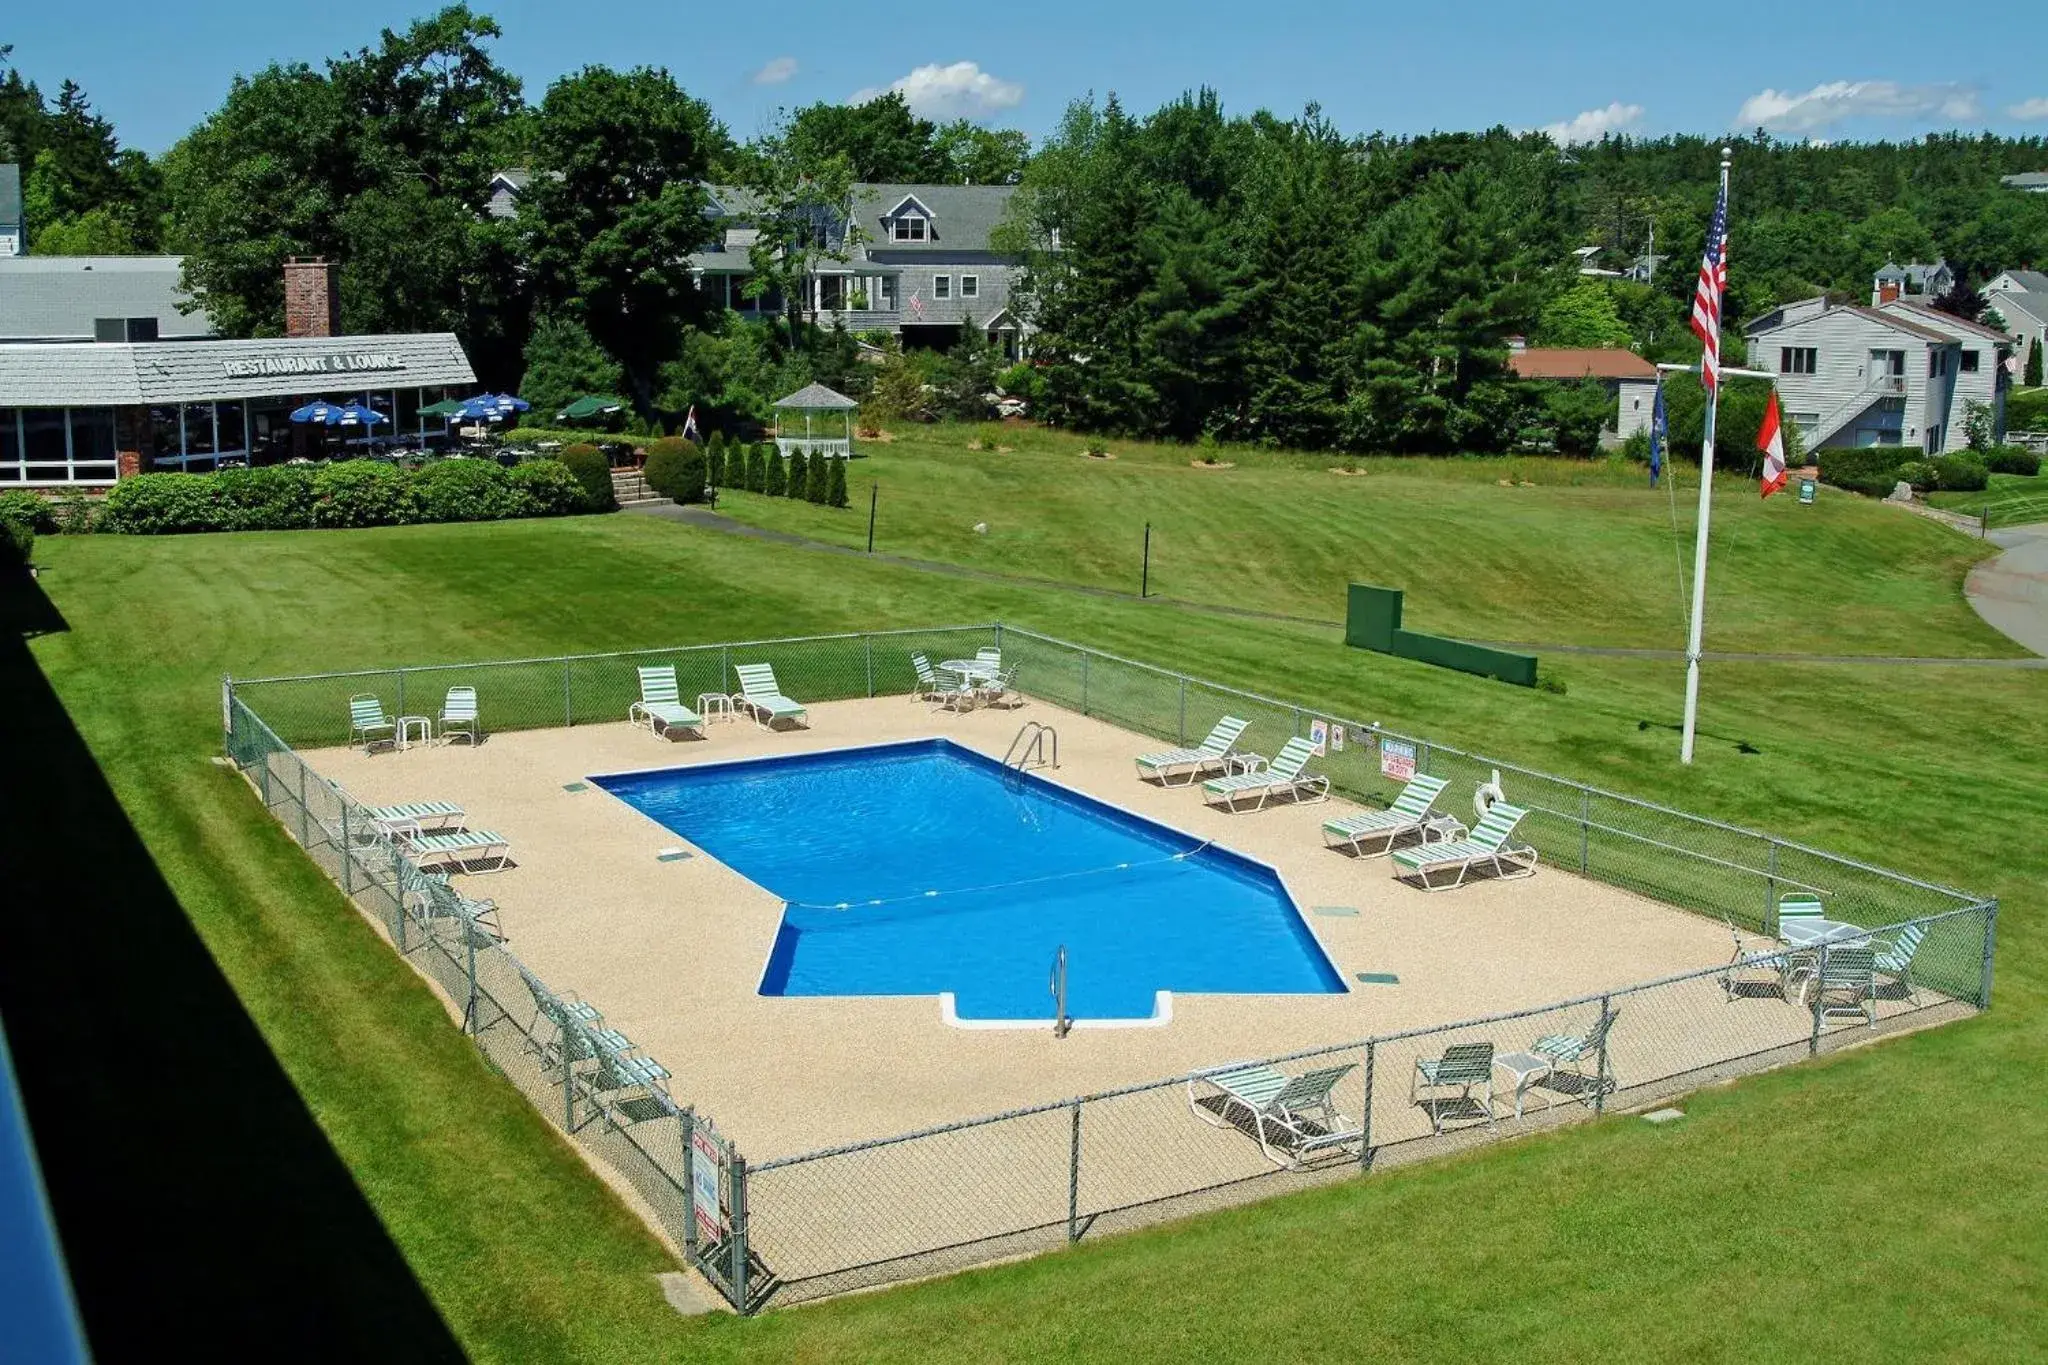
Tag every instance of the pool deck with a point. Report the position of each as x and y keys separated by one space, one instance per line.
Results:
x=672 y=951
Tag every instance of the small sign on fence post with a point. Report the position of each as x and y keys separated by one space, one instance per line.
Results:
x=710 y=1183
x=1397 y=759
x=1319 y=737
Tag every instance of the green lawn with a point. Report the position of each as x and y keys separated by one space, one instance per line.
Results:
x=1538 y=550
x=2010 y=500
x=1885 y=1202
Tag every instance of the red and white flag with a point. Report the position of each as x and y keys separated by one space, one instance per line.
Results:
x=1770 y=439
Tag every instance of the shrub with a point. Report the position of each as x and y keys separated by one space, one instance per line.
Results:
x=818 y=479
x=276 y=498
x=836 y=492
x=777 y=482
x=2012 y=460
x=675 y=469
x=1919 y=473
x=77 y=515
x=714 y=464
x=593 y=474
x=523 y=435
x=799 y=471
x=17 y=542
x=1636 y=449
x=1962 y=472
x=29 y=509
x=362 y=493
x=1022 y=381
x=465 y=490
x=1871 y=470
x=165 y=504
x=547 y=488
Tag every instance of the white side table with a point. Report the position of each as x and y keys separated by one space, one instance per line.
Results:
x=712 y=705
x=1526 y=1068
x=1442 y=829
x=1246 y=762
x=415 y=730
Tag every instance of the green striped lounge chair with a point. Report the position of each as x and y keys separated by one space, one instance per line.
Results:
x=1570 y=1054
x=1292 y=1117
x=366 y=719
x=944 y=695
x=1283 y=775
x=458 y=714
x=1404 y=816
x=1796 y=970
x=1846 y=985
x=409 y=819
x=1188 y=764
x=1463 y=1067
x=762 y=695
x=462 y=847
x=1490 y=846
x=1895 y=957
x=623 y=1085
x=570 y=1015
x=660 y=707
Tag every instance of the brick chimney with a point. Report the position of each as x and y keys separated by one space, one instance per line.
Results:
x=312 y=301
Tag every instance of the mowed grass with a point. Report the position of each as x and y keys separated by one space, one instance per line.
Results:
x=1885 y=1202
x=1542 y=551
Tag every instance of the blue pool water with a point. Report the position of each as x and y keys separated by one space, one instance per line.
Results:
x=1021 y=867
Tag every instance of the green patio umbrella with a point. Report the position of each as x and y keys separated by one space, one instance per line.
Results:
x=589 y=406
x=447 y=407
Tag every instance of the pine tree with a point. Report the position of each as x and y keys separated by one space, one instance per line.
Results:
x=2034 y=366
x=797 y=472
x=757 y=470
x=777 y=484
x=818 y=487
x=837 y=493
x=714 y=461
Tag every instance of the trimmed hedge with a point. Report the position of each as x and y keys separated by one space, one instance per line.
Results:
x=1872 y=470
x=594 y=472
x=675 y=469
x=343 y=493
x=32 y=510
x=524 y=435
x=1962 y=472
x=799 y=474
x=2007 y=460
x=835 y=492
x=818 y=483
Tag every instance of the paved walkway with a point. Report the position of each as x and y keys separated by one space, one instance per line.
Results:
x=714 y=521
x=2011 y=591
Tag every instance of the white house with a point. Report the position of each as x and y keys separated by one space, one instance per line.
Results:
x=1914 y=281
x=2021 y=298
x=1631 y=379
x=1902 y=374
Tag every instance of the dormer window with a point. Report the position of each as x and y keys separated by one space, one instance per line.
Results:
x=908 y=220
x=909 y=228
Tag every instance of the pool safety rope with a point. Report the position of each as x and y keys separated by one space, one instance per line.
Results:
x=880 y=901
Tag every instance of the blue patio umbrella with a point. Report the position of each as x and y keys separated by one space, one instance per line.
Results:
x=483 y=407
x=326 y=414
x=511 y=402
x=358 y=415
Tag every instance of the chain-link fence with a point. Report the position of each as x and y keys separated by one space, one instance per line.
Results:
x=802 y=1227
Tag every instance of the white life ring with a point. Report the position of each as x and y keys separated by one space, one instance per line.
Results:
x=1485 y=794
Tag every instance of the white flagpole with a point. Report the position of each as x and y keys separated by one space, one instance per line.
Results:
x=1699 y=546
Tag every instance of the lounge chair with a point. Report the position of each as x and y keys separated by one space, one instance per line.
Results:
x=625 y=1087
x=365 y=718
x=1755 y=963
x=1799 y=905
x=1895 y=957
x=462 y=847
x=1490 y=845
x=1796 y=970
x=1847 y=976
x=1000 y=689
x=410 y=818
x=762 y=695
x=1463 y=1067
x=1569 y=1054
x=1406 y=815
x=1189 y=764
x=569 y=1015
x=1291 y=1116
x=989 y=655
x=660 y=706
x=1283 y=774
x=458 y=714
x=944 y=695
x=432 y=901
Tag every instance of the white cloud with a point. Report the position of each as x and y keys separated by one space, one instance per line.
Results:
x=1590 y=125
x=962 y=90
x=2036 y=108
x=776 y=72
x=1806 y=111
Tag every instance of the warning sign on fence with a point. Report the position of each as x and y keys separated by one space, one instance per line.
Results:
x=1397 y=759
x=711 y=1182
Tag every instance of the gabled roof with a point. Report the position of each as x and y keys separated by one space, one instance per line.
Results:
x=896 y=209
x=817 y=396
x=1939 y=321
x=1896 y=323
x=1573 y=362
x=963 y=215
x=119 y=374
x=10 y=193
x=2032 y=281
x=56 y=298
x=2028 y=305
x=2025 y=180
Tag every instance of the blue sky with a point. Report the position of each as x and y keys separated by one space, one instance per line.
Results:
x=1807 y=69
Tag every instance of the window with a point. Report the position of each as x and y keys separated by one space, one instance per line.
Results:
x=970 y=286
x=1969 y=365
x=1937 y=364
x=908 y=229
x=1798 y=359
x=942 y=286
x=1934 y=440
x=885 y=293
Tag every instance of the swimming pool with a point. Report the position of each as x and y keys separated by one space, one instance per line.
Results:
x=925 y=868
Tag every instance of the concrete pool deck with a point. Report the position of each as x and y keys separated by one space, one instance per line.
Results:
x=672 y=951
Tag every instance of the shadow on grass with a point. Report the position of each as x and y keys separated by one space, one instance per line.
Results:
x=202 y=1211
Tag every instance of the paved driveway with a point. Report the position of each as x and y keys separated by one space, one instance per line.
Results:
x=2011 y=591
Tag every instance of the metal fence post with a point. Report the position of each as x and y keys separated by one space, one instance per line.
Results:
x=348 y=880
x=1423 y=766
x=724 y=666
x=1600 y=1073
x=688 y=1119
x=568 y=698
x=562 y=1036
x=469 y=1005
x=1820 y=971
x=1771 y=886
x=738 y=1274
x=1990 y=937
x=401 y=691
x=1084 y=684
x=305 y=813
x=1585 y=826
x=1183 y=710
x=1074 y=1174
x=1365 y=1114
x=227 y=714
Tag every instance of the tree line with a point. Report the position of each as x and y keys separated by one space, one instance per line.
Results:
x=1191 y=273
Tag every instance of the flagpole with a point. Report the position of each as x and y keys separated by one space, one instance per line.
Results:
x=1699 y=548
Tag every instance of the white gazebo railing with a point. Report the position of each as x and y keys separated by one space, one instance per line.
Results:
x=818 y=405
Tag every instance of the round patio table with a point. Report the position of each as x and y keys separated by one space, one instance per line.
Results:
x=972 y=671
x=1813 y=933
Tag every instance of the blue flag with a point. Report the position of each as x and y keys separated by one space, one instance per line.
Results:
x=1660 y=432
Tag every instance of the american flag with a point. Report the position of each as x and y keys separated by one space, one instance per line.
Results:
x=1706 y=300
x=916 y=305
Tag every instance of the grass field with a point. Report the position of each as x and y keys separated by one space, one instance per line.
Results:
x=2010 y=500
x=1885 y=1202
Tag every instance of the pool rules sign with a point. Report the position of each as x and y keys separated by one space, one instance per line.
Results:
x=710 y=1183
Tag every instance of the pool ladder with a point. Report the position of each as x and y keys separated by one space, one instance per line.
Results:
x=1028 y=748
x=1061 y=1023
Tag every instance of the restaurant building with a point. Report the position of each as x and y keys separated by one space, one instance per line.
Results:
x=84 y=413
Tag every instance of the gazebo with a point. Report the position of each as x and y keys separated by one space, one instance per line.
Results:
x=811 y=400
